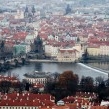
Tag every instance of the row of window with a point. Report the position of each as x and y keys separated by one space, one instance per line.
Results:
x=37 y=80
x=97 y=53
x=67 y=59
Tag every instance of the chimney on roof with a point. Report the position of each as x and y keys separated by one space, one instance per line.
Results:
x=28 y=94
x=23 y=94
x=16 y=98
x=68 y=97
x=9 y=99
x=48 y=106
x=50 y=97
x=5 y=98
x=6 y=104
x=27 y=98
x=20 y=99
x=17 y=94
x=77 y=104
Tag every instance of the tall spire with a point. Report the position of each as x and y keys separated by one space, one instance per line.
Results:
x=33 y=10
x=26 y=9
x=26 y=12
x=68 y=9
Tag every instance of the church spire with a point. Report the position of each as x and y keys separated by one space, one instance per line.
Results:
x=26 y=12
x=26 y=9
x=33 y=10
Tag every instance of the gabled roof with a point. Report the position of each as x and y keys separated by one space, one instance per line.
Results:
x=20 y=36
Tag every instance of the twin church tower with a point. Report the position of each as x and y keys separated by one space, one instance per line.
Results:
x=29 y=14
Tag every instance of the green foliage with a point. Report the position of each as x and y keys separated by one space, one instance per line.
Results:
x=66 y=85
x=5 y=86
x=87 y=84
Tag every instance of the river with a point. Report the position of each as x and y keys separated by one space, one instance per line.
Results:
x=77 y=68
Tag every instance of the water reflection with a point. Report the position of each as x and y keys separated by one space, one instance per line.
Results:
x=38 y=66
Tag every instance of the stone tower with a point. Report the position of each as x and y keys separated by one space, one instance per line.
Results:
x=38 y=47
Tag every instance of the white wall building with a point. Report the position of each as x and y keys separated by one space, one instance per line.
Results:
x=19 y=14
x=51 y=50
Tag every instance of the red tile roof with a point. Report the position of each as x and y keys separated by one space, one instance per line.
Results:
x=20 y=36
x=99 y=107
x=8 y=78
x=26 y=99
x=37 y=85
x=61 y=107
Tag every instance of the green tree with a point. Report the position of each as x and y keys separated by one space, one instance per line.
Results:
x=7 y=65
x=5 y=86
x=2 y=45
x=101 y=90
x=99 y=80
x=69 y=81
x=23 y=61
x=87 y=84
x=16 y=62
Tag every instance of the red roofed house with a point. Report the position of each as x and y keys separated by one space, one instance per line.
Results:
x=20 y=36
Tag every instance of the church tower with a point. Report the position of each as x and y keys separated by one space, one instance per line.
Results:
x=26 y=12
x=38 y=47
x=33 y=10
x=29 y=14
x=68 y=9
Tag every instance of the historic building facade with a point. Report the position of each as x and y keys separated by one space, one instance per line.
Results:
x=68 y=55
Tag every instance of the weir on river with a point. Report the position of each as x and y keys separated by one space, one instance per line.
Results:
x=95 y=69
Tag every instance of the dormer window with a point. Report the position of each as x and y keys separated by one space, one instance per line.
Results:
x=60 y=103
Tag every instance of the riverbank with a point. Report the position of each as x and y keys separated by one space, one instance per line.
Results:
x=41 y=60
x=48 y=61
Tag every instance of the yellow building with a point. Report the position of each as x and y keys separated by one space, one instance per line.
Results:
x=104 y=49
x=93 y=50
x=79 y=48
x=98 y=49
x=67 y=55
